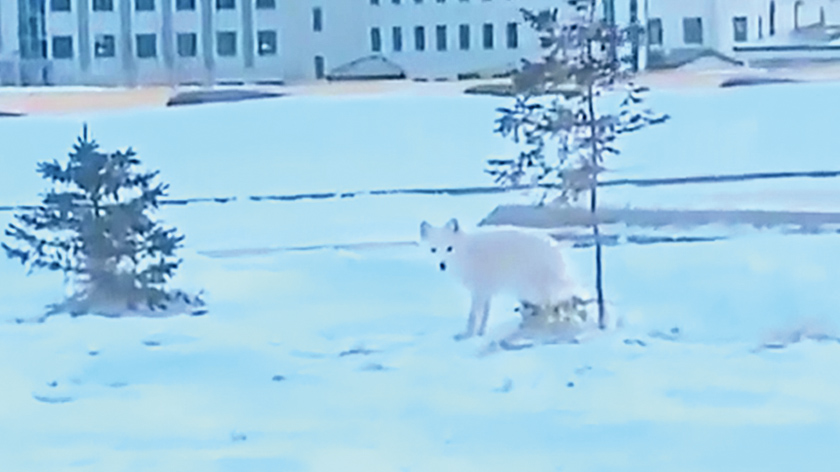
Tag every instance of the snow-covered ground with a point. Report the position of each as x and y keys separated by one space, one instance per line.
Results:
x=344 y=360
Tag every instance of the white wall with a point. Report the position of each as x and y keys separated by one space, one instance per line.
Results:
x=105 y=70
x=228 y=67
x=342 y=39
x=188 y=69
x=809 y=13
x=718 y=28
x=8 y=41
x=347 y=26
x=672 y=14
x=8 y=29
x=432 y=63
x=64 y=71
x=622 y=17
x=269 y=67
x=149 y=69
x=725 y=12
x=346 y=35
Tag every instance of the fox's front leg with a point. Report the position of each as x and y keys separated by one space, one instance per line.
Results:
x=485 y=313
x=478 y=309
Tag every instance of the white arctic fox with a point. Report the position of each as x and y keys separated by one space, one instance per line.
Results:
x=493 y=262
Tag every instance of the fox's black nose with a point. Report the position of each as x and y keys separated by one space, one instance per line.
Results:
x=443 y=266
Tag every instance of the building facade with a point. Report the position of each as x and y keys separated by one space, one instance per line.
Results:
x=746 y=30
x=130 y=42
x=110 y=42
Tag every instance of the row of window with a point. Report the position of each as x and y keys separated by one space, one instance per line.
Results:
x=150 y=5
x=487 y=37
x=693 y=30
x=147 y=45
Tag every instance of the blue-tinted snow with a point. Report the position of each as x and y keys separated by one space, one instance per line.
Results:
x=200 y=395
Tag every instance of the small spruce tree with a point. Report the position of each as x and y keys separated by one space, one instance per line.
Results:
x=556 y=113
x=94 y=226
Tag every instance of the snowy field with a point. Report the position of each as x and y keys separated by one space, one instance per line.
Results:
x=344 y=360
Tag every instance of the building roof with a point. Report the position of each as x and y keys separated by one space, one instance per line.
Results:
x=374 y=67
x=679 y=58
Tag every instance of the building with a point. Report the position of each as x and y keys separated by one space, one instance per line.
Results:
x=110 y=42
x=751 y=31
x=139 y=41
x=129 y=42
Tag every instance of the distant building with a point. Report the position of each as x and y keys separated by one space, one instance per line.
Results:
x=110 y=42
x=133 y=42
x=751 y=31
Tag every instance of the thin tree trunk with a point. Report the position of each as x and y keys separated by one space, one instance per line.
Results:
x=593 y=206
x=599 y=285
x=594 y=162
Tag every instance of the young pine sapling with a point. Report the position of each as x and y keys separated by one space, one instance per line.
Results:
x=557 y=113
x=94 y=225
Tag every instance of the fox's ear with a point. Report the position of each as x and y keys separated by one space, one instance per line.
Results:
x=424 y=230
x=452 y=225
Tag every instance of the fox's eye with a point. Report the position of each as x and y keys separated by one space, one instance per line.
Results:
x=434 y=249
x=449 y=249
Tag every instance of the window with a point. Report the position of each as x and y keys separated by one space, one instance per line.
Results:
x=375 y=40
x=797 y=6
x=104 y=46
x=418 y=1
x=693 y=30
x=319 y=67
x=144 y=5
x=226 y=43
x=225 y=4
x=441 y=1
x=772 y=26
x=487 y=31
x=760 y=28
x=396 y=38
x=374 y=2
x=655 y=31
x=440 y=37
x=181 y=5
x=60 y=5
x=103 y=5
x=609 y=11
x=395 y=2
x=266 y=4
x=267 y=43
x=62 y=47
x=512 y=36
x=146 y=45
x=187 y=44
x=419 y=38
x=317 y=19
x=739 y=28
x=464 y=37
x=33 y=48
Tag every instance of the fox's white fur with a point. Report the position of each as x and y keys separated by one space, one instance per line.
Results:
x=490 y=263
